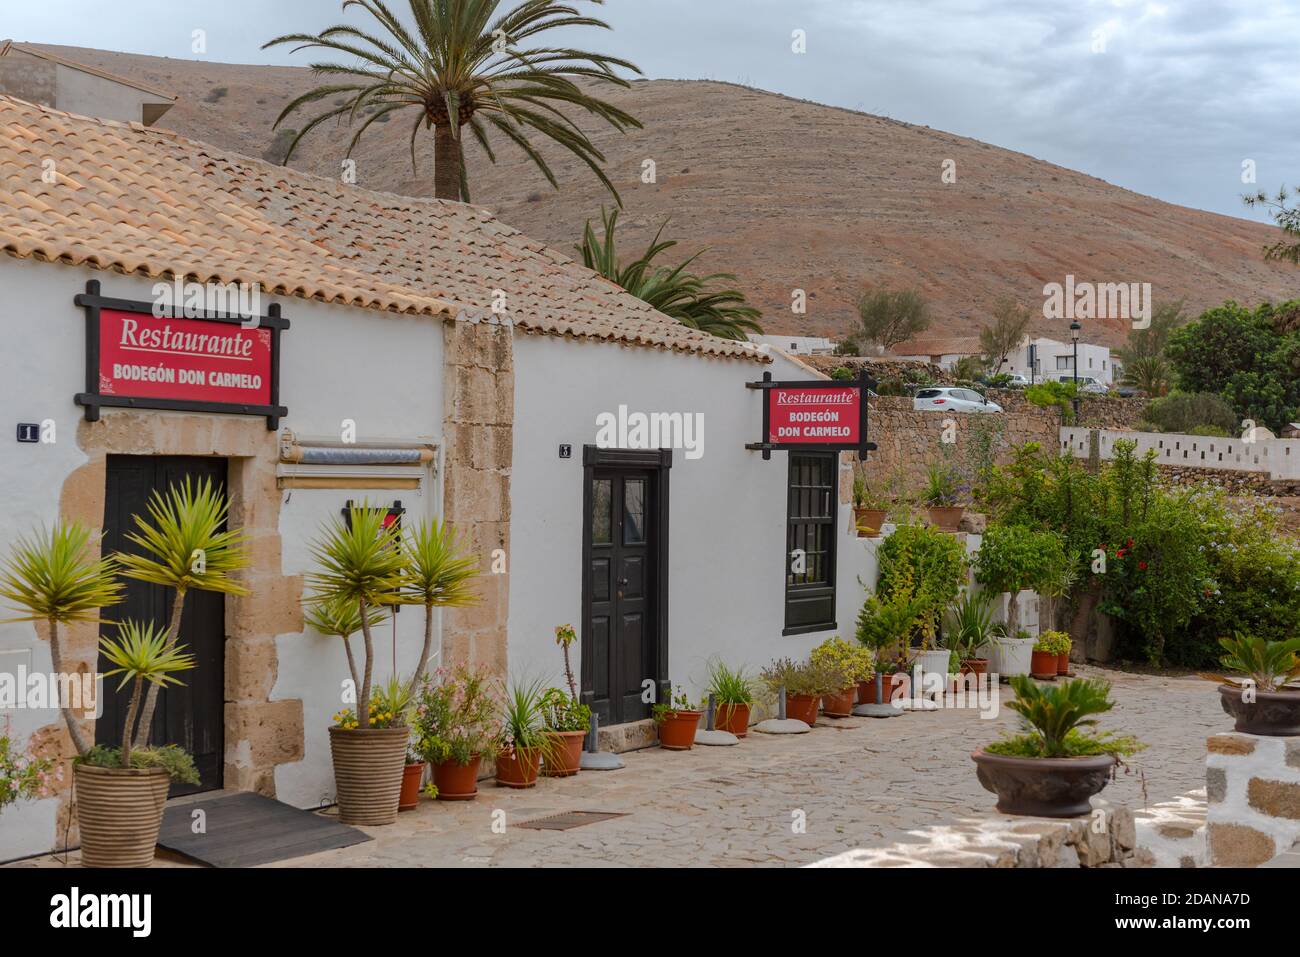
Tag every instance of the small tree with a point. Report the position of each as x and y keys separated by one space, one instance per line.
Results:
x=1287 y=219
x=360 y=563
x=1013 y=557
x=186 y=548
x=341 y=618
x=56 y=577
x=888 y=317
x=439 y=575
x=143 y=655
x=1005 y=333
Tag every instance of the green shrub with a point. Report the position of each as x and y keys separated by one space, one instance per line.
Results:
x=926 y=567
x=842 y=373
x=1186 y=411
x=891 y=386
x=1049 y=395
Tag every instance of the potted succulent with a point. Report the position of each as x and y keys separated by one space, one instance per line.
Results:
x=870 y=509
x=853 y=663
x=970 y=630
x=733 y=693
x=1262 y=689
x=1047 y=651
x=567 y=723
x=1055 y=766
x=803 y=689
x=677 y=720
x=456 y=727
x=942 y=497
x=523 y=736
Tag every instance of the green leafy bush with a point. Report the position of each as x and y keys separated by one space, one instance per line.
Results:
x=1053 y=395
x=1185 y=411
x=842 y=373
x=923 y=566
x=1015 y=557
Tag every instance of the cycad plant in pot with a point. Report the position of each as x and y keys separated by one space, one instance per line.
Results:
x=1262 y=687
x=733 y=694
x=1054 y=766
x=457 y=725
x=360 y=562
x=677 y=720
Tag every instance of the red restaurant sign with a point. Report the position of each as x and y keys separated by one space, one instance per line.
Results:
x=814 y=416
x=213 y=363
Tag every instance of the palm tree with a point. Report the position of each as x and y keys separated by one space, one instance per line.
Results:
x=186 y=549
x=340 y=618
x=143 y=655
x=675 y=292
x=461 y=67
x=439 y=575
x=56 y=577
x=1151 y=374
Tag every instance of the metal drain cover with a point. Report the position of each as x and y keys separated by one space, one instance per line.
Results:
x=568 y=819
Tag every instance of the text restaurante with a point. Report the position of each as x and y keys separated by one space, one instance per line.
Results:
x=237 y=346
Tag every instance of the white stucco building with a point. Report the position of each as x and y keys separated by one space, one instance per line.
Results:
x=377 y=313
x=796 y=345
x=1054 y=359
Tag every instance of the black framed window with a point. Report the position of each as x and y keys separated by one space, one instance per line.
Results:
x=812 y=504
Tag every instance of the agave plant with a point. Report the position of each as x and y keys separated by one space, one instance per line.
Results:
x=144 y=655
x=186 y=547
x=1271 y=665
x=360 y=562
x=462 y=66
x=57 y=577
x=439 y=575
x=690 y=299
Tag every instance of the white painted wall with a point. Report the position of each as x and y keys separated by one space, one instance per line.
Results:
x=727 y=508
x=395 y=393
x=1275 y=458
x=1094 y=360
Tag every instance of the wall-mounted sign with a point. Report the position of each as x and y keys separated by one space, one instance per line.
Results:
x=211 y=363
x=821 y=414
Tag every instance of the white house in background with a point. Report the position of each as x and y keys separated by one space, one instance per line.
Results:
x=941 y=352
x=39 y=76
x=797 y=345
x=1053 y=359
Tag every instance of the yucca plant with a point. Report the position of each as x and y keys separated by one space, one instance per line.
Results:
x=970 y=623
x=341 y=618
x=57 y=577
x=439 y=574
x=144 y=656
x=1055 y=717
x=463 y=65
x=1271 y=665
x=360 y=562
x=186 y=548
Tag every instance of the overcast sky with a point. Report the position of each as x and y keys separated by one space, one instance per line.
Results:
x=1167 y=98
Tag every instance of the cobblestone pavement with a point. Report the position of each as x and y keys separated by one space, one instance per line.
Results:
x=853 y=782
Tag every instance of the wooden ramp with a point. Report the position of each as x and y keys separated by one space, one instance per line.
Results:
x=243 y=829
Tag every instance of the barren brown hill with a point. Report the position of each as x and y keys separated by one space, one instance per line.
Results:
x=788 y=195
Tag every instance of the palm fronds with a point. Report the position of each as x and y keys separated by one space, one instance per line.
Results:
x=439 y=574
x=1271 y=665
x=1052 y=713
x=144 y=655
x=55 y=576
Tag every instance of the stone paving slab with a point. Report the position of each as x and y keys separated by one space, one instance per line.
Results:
x=780 y=800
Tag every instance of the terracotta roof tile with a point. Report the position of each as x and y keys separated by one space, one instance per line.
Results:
x=149 y=202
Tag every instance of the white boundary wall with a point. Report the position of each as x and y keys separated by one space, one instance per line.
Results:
x=1274 y=458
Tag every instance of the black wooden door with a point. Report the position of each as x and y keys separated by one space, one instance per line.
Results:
x=190 y=715
x=621 y=570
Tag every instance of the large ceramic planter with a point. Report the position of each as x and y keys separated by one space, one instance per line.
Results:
x=457 y=782
x=677 y=730
x=563 y=754
x=1010 y=656
x=1272 y=713
x=869 y=520
x=733 y=718
x=518 y=767
x=946 y=518
x=412 y=775
x=368 y=768
x=840 y=704
x=1043 y=787
x=1042 y=665
x=802 y=707
x=119 y=813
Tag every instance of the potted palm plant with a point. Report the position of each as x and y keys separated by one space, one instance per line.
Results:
x=870 y=509
x=840 y=661
x=733 y=693
x=678 y=720
x=523 y=736
x=1262 y=687
x=456 y=727
x=439 y=574
x=1054 y=766
x=970 y=630
x=942 y=497
x=360 y=562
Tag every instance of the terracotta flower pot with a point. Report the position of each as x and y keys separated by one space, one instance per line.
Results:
x=518 y=767
x=1043 y=787
x=564 y=756
x=368 y=769
x=869 y=520
x=733 y=718
x=119 y=813
x=867 y=689
x=1063 y=663
x=457 y=782
x=1042 y=665
x=979 y=667
x=840 y=704
x=947 y=518
x=677 y=730
x=412 y=775
x=1272 y=713
x=802 y=707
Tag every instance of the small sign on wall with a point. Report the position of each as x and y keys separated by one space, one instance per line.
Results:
x=29 y=432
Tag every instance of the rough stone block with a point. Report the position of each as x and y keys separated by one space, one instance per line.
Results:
x=1274 y=798
x=1236 y=845
x=1230 y=744
x=1216 y=784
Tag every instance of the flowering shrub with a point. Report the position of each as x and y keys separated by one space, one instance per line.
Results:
x=854 y=661
x=457 y=717
x=23 y=775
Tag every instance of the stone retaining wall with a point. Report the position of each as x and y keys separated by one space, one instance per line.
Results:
x=1237 y=483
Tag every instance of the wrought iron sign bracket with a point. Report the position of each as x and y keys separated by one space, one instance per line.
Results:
x=864 y=384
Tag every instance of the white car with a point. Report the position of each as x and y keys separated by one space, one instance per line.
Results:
x=1088 y=385
x=949 y=399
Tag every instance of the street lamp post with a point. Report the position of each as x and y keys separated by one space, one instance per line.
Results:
x=1074 y=338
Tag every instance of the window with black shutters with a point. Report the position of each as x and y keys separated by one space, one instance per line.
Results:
x=812 y=504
